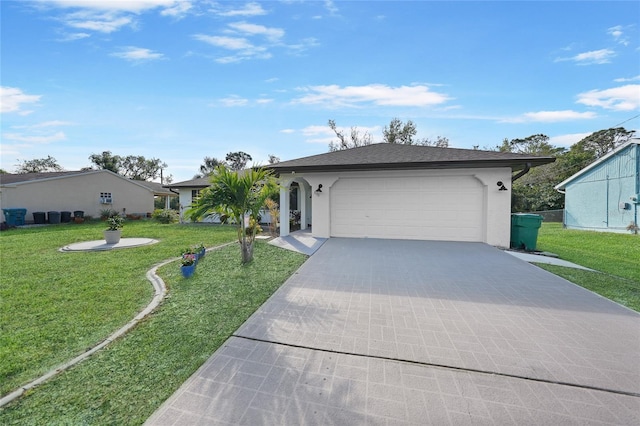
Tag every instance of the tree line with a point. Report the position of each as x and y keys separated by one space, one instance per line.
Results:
x=535 y=190
x=532 y=192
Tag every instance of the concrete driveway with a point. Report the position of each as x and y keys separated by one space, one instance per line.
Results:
x=421 y=332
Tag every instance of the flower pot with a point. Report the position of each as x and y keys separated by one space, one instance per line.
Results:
x=201 y=253
x=187 y=271
x=112 y=237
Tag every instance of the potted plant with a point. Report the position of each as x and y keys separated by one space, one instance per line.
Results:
x=188 y=266
x=200 y=251
x=113 y=233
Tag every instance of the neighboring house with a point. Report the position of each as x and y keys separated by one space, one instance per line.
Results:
x=405 y=192
x=89 y=191
x=189 y=191
x=605 y=195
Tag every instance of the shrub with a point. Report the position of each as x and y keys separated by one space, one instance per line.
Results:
x=165 y=215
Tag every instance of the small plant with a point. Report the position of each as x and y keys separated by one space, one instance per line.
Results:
x=107 y=213
x=115 y=222
x=165 y=215
x=294 y=220
x=254 y=225
x=274 y=212
x=188 y=259
x=633 y=227
x=188 y=250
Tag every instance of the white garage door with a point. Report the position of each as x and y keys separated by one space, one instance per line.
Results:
x=448 y=208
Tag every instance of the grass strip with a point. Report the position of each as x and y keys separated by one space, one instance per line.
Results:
x=612 y=253
x=127 y=382
x=621 y=290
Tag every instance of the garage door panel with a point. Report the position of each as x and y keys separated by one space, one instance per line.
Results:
x=438 y=208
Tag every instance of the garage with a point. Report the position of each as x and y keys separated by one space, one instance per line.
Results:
x=395 y=191
x=448 y=208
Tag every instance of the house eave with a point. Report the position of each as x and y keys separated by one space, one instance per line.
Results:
x=515 y=166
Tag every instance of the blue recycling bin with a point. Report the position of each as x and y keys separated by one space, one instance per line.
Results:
x=14 y=217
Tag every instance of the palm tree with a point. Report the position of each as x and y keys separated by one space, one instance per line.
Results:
x=238 y=196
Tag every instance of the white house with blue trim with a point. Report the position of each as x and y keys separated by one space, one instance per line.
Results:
x=605 y=195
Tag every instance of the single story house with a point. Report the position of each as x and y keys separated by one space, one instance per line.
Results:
x=605 y=195
x=90 y=191
x=189 y=190
x=404 y=192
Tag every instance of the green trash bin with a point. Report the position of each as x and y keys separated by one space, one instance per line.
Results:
x=524 y=230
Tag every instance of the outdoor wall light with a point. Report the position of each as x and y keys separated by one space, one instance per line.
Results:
x=319 y=190
x=501 y=185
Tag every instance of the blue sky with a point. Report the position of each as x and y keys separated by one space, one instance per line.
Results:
x=180 y=80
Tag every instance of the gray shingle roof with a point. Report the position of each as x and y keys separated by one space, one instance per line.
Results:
x=17 y=178
x=9 y=178
x=193 y=183
x=396 y=156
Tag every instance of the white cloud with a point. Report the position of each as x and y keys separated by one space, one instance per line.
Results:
x=567 y=140
x=551 y=116
x=73 y=37
x=106 y=22
x=272 y=34
x=264 y=101
x=231 y=43
x=331 y=7
x=12 y=99
x=325 y=135
x=287 y=131
x=135 y=6
x=249 y=9
x=234 y=101
x=304 y=44
x=244 y=48
x=602 y=56
x=179 y=10
x=623 y=98
x=53 y=123
x=35 y=139
x=618 y=35
x=623 y=80
x=376 y=94
x=252 y=41
x=107 y=16
x=138 y=54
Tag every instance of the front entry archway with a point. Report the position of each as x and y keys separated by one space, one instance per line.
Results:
x=295 y=205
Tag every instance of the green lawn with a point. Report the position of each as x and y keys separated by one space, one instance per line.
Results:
x=125 y=383
x=55 y=305
x=615 y=256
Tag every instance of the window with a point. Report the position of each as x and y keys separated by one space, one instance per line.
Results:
x=195 y=194
x=106 y=198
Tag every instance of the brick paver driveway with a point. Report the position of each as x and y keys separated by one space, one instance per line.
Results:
x=419 y=332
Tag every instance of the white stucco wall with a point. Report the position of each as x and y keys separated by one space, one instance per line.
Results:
x=79 y=192
x=496 y=208
x=186 y=202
